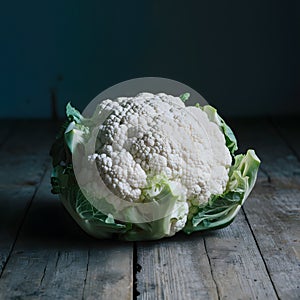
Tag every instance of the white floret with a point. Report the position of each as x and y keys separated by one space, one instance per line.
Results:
x=178 y=218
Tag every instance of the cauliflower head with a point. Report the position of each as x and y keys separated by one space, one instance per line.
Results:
x=150 y=135
x=151 y=148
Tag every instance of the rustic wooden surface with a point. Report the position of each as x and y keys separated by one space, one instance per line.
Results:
x=44 y=255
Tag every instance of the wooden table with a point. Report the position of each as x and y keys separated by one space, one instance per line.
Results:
x=44 y=255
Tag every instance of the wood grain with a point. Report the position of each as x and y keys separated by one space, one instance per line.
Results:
x=54 y=259
x=224 y=264
x=273 y=208
x=236 y=263
x=23 y=159
x=177 y=268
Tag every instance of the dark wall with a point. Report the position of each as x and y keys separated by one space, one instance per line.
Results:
x=242 y=56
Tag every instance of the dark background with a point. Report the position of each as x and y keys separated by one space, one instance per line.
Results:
x=242 y=56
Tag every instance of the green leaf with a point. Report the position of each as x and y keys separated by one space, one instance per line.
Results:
x=161 y=191
x=75 y=134
x=70 y=132
x=213 y=116
x=88 y=212
x=73 y=114
x=62 y=178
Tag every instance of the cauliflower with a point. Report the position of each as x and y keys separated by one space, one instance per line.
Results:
x=154 y=149
x=156 y=134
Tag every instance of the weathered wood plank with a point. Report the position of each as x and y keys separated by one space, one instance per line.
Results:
x=54 y=259
x=277 y=159
x=273 y=208
x=236 y=263
x=25 y=155
x=23 y=159
x=110 y=271
x=224 y=264
x=175 y=268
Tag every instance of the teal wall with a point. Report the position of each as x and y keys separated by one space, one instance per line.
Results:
x=242 y=56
